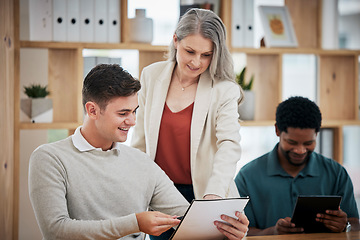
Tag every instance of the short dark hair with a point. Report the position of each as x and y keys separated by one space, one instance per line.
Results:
x=106 y=81
x=298 y=112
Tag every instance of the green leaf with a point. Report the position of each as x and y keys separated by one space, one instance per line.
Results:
x=36 y=91
x=240 y=79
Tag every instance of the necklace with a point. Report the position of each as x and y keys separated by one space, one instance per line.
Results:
x=182 y=87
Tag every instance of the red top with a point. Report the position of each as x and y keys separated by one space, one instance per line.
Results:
x=173 y=149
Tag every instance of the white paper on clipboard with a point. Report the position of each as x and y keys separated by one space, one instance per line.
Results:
x=198 y=221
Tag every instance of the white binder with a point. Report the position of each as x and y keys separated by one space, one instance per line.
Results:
x=59 y=20
x=237 y=24
x=40 y=20
x=113 y=21
x=73 y=21
x=101 y=23
x=329 y=28
x=87 y=20
x=249 y=23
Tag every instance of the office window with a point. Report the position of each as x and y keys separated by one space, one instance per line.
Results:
x=129 y=59
x=351 y=136
x=255 y=141
x=299 y=76
x=348 y=24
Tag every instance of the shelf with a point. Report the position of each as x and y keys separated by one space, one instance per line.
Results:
x=278 y=51
x=81 y=45
x=339 y=123
x=256 y=123
x=53 y=125
x=149 y=47
x=325 y=124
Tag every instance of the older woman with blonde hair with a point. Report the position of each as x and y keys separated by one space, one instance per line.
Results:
x=187 y=119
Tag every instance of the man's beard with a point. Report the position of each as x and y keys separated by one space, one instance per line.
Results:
x=297 y=164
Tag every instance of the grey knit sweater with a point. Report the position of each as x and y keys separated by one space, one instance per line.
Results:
x=95 y=194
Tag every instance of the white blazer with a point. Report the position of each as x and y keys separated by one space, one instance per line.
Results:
x=215 y=137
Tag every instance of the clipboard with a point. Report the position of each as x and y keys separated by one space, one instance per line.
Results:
x=198 y=221
x=307 y=207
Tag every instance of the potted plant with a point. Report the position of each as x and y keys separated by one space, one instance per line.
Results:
x=37 y=107
x=247 y=106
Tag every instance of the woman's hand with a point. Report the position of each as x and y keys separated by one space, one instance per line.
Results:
x=211 y=196
x=233 y=228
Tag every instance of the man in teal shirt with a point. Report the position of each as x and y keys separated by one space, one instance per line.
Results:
x=274 y=180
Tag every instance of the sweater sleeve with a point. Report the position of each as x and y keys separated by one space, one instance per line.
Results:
x=166 y=197
x=47 y=189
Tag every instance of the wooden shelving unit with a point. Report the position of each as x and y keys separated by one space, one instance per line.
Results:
x=337 y=80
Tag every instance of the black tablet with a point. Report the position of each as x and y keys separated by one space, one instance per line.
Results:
x=307 y=207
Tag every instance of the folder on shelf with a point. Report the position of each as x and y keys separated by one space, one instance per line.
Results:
x=87 y=20
x=242 y=23
x=249 y=23
x=39 y=16
x=329 y=26
x=113 y=21
x=237 y=23
x=73 y=21
x=101 y=23
x=59 y=20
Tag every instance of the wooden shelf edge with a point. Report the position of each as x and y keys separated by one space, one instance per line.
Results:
x=81 y=45
x=278 y=51
x=339 y=123
x=44 y=126
x=257 y=123
x=149 y=47
x=325 y=124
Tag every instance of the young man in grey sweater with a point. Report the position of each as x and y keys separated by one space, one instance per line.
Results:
x=89 y=186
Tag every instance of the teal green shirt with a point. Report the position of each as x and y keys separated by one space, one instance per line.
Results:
x=273 y=192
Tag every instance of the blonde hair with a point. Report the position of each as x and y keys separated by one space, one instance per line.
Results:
x=210 y=26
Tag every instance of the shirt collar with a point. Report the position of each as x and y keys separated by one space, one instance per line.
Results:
x=312 y=167
x=274 y=167
x=82 y=145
